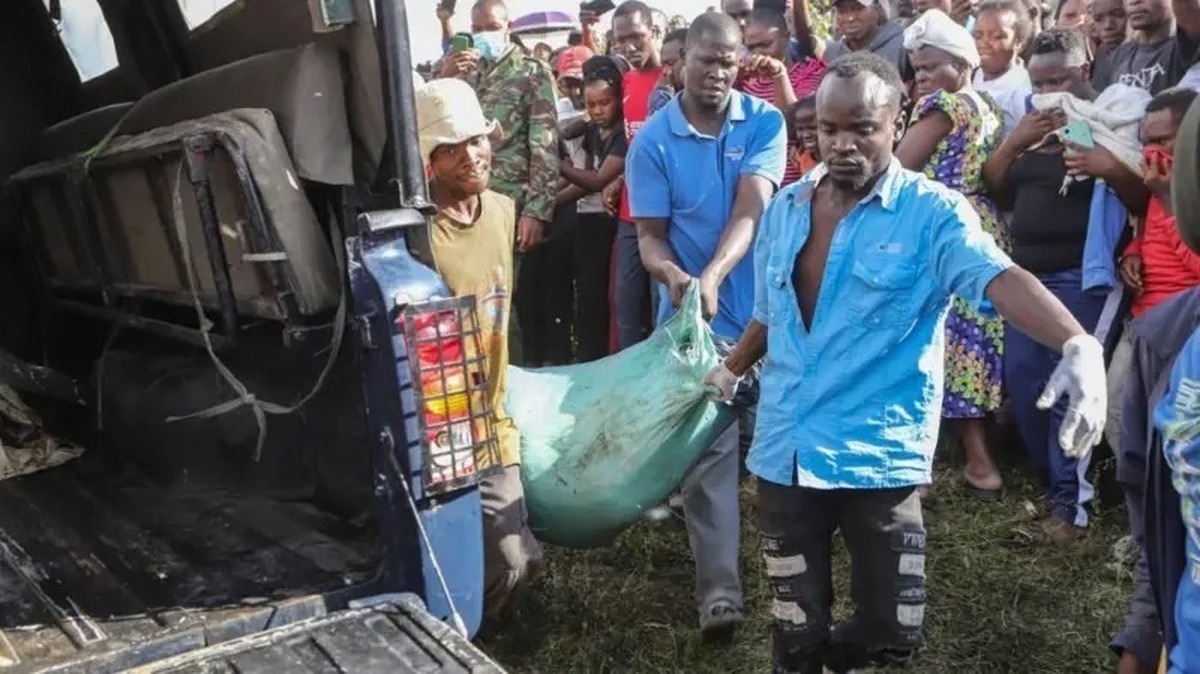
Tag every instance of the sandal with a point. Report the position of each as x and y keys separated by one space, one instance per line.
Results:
x=980 y=493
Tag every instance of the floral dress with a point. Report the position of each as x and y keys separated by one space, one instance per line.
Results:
x=974 y=338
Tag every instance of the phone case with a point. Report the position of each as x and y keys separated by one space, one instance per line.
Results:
x=461 y=42
x=1080 y=133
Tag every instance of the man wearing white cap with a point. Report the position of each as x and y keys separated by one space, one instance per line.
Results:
x=470 y=239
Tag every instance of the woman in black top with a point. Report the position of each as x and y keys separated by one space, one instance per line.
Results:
x=1048 y=227
x=587 y=247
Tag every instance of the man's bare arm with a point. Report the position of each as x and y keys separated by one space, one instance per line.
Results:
x=655 y=249
x=753 y=193
x=750 y=349
x=1031 y=308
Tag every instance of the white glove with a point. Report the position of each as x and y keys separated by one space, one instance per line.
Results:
x=1079 y=376
x=722 y=382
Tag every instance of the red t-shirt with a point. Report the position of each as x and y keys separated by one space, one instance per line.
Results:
x=1168 y=266
x=805 y=78
x=636 y=86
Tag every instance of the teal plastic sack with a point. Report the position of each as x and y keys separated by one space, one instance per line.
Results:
x=602 y=442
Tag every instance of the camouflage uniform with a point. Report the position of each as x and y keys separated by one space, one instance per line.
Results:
x=518 y=92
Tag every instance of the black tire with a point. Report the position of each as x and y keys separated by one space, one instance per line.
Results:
x=1185 y=178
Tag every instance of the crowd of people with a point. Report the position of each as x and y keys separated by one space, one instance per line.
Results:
x=942 y=209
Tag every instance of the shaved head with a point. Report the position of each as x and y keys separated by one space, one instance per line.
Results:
x=710 y=25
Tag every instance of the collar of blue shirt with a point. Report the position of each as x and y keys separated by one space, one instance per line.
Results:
x=886 y=189
x=680 y=126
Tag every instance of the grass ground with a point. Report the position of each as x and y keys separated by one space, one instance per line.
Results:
x=997 y=603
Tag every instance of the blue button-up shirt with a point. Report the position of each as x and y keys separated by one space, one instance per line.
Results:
x=689 y=178
x=854 y=402
x=1177 y=419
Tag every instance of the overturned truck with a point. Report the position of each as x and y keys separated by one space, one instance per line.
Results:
x=202 y=286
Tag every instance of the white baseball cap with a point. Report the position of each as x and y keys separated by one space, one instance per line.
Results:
x=448 y=113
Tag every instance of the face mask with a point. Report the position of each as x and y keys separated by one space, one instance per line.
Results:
x=491 y=44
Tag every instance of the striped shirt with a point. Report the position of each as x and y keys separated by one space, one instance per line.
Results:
x=805 y=78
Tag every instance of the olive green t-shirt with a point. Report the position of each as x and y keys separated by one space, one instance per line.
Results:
x=475 y=258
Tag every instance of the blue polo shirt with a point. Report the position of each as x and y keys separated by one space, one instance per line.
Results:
x=675 y=172
x=855 y=402
x=1178 y=420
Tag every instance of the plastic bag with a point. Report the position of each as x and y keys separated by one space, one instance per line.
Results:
x=601 y=442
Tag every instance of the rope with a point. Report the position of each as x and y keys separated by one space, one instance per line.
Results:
x=108 y=343
x=455 y=617
x=244 y=398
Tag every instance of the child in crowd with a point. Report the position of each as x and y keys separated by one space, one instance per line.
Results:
x=1001 y=32
x=589 y=245
x=802 y=134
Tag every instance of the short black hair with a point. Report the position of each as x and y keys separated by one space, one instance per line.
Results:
x=635 y=7
x=677 y=35
x=1177 y=100
x=1024 y=25
x=789 y=120
x=859 y=63
x=1060 y=41
x=574 y=38
x=713 y=23
x=771 y=18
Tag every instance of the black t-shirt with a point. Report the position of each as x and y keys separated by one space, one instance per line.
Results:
x=1153 y=67
x=599 y=148
x=1047 y=228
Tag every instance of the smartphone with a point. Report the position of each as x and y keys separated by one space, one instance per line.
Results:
x=1079 y=133
x=461 y=42
x=447 y=5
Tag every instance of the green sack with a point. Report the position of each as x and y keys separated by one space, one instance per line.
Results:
x=602 y=442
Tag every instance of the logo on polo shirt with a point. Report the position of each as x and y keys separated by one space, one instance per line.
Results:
x=735 y=153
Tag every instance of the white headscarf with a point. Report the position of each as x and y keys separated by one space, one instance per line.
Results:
x=935 y=29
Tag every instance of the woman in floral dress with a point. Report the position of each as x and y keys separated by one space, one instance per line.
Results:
x=952 y=132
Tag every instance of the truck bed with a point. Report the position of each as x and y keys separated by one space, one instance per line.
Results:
x=102 y=572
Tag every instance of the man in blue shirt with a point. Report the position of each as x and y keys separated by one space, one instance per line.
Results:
x=1177 y=419
x=700 y=172
x=855 y=265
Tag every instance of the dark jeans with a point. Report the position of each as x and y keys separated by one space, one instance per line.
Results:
x=543 y=298
x=588 y=249
x=885 y=536
x=1142 y=632
x=1027 y=366
x=564 y=290
x=631 y=289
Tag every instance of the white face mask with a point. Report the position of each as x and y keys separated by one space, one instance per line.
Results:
x=491 y=44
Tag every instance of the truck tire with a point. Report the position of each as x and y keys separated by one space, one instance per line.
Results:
x=1185 y=178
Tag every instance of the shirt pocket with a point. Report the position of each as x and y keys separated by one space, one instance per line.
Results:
x=781 y=301
x=884 y=290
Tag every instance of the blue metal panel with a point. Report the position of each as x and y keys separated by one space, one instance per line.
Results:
x=382 y=270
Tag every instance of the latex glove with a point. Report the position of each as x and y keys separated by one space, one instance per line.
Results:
x=1079 y=376
x=722 y=382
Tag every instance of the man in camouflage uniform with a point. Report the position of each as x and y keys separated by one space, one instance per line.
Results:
x=517 y=91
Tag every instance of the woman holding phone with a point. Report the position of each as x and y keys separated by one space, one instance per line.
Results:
x=1049 y=224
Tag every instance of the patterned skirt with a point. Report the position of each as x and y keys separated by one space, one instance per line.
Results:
x=974 y=363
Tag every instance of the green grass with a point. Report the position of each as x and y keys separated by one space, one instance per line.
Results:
x=997 y=603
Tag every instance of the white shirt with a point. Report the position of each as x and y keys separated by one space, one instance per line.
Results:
x=1010 y=91
x=590 y=203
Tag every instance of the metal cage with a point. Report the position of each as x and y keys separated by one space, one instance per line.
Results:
x=451 y=391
